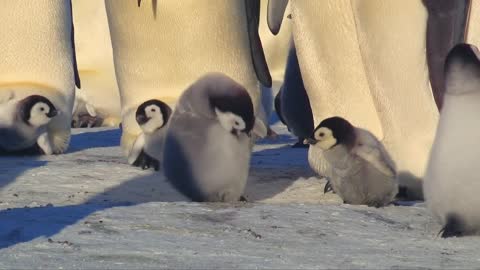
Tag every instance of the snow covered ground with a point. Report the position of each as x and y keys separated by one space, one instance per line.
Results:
x=90 y=209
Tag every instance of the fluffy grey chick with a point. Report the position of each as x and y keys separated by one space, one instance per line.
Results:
x=451 y=183
x=359 y=169
x=207 y=149
x=152 y=117
x=23 y=125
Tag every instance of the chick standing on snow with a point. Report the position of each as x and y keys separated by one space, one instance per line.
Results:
x=359 y=169
x=28 y=126
x=207 y=149
x=152 y=117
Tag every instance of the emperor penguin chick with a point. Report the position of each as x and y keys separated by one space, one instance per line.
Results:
x=451 y=183
x=207 y=149
x=23 y=124
x=359 y=169
x=152 y=117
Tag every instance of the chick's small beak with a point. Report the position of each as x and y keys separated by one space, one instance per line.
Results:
x=310 y=141
x=52 y=113
x=142 y=119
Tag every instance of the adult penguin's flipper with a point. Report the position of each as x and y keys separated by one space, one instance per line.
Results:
x=446 y=26
x=74 y=54
x=258 y=57
x=276 y=10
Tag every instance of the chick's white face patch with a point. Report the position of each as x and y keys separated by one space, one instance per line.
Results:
x=230 y=121
x=325 y=138
x=38 y=114
x=155 y=116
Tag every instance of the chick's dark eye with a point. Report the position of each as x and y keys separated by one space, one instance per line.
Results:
x=236 y=123
x=42 y=109
x=321 y=134
x=153 y=110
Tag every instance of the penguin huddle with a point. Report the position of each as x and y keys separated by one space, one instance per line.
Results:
x=197 y=119
x=204 y=146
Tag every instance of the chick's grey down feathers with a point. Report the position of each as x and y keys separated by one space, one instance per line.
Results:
x=17 y=133
x=359 y=168
x=202 y=159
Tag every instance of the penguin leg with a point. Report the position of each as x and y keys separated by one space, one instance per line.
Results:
x=111 y=121
x=271 y=134
x=87 y=121
x=145 y=161
x=454 y=227
x=300 y=144
x=243 y=199
x=155 y=164
x=328 y=187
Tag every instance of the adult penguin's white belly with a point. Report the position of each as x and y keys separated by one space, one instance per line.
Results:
x=366 y=61
x=37 y=59
x=158 y=53
x=473 y=30
x=95 y=60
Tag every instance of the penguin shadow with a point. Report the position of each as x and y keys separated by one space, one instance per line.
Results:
x=94 y=138
x=20 y=225
x=274 y=170
x=153 y=187
x=23 y=224
x=12 y=166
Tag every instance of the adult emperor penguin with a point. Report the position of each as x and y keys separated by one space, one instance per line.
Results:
x=95 y=65
x=366 y=61
x=207 y=149
x=23 y=125
x=160 y=49
x=451 y=183
x=38 y=60
x=152 y=117
x=358 y=168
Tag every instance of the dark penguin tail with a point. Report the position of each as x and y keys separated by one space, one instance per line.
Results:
x=454 y=226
